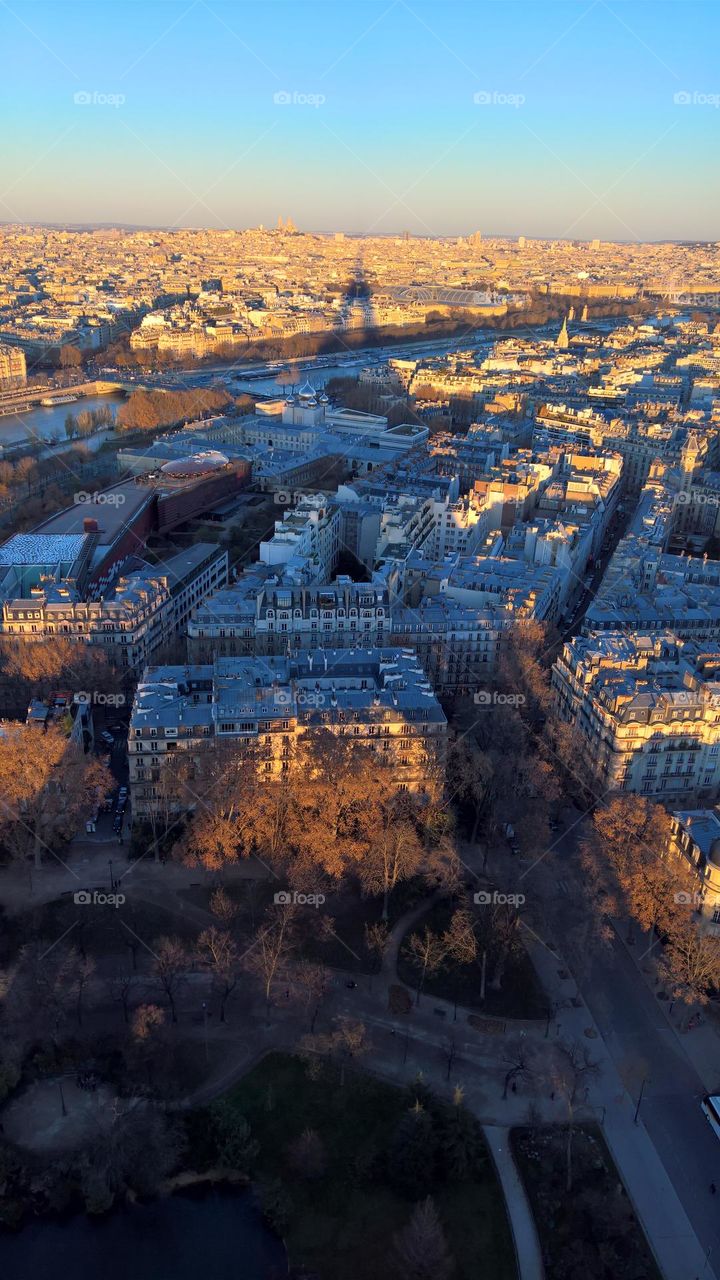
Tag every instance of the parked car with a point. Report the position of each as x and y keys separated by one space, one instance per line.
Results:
x=107 y=738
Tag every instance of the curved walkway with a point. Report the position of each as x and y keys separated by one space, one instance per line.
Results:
x=522 y=1224
x=397 y=933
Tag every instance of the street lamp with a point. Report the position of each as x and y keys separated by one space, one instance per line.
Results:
x=551 y=1011
x=646 y=1080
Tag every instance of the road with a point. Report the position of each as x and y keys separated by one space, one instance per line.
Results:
x=637 y=1033
x=644 y=1045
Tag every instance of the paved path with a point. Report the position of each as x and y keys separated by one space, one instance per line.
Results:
x=397 y=933
x=522 y=1223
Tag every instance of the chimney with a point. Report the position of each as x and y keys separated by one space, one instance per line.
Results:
x=90 y=525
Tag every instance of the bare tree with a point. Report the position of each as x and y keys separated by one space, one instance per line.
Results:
x=426 y=952
x=218 y=954
x=376 y=940
x=122 y=990
x=521 y=1056
x=272 y=946
x=169 y=970
x=308 y=983
x=421 y=1248
x=571 y=1067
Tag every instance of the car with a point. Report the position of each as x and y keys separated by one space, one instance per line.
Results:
x=107 y=738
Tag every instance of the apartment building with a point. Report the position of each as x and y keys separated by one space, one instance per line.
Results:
x=645 y=711
x=379 y=698
x=143 y=610
x=12 y=367
x=695 y=839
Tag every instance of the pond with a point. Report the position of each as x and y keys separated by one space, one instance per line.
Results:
x=216 y=1234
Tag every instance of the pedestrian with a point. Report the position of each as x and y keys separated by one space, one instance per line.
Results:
x=513 y=1086
x=552 y=1096
x=713 y=1189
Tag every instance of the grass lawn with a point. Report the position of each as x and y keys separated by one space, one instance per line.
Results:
x=96 y=927
x=592 y=1230
x=345 y=947
x=520 y=995
x=350 y=913
x=343 y=1224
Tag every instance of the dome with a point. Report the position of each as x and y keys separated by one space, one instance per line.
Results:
x=197 y=464
x=306 y=392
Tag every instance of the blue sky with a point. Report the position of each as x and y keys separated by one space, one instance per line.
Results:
x=576 y=132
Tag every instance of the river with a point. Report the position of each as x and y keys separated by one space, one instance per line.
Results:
x=218 y=1234
x=47 y=423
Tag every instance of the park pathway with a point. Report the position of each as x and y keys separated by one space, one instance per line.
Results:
x=522 y=1224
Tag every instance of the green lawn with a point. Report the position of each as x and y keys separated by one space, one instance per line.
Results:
x=520 y=995
x=344 y=1223
x=98 y=928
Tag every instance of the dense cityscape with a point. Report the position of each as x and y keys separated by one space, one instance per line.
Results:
x=359 y=652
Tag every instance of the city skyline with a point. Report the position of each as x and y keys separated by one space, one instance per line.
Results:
x=575 y=121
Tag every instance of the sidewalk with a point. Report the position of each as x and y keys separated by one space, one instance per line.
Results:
x=700 y=1044
x=522 y=1223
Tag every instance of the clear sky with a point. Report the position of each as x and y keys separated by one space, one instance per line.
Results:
x=512 y=117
